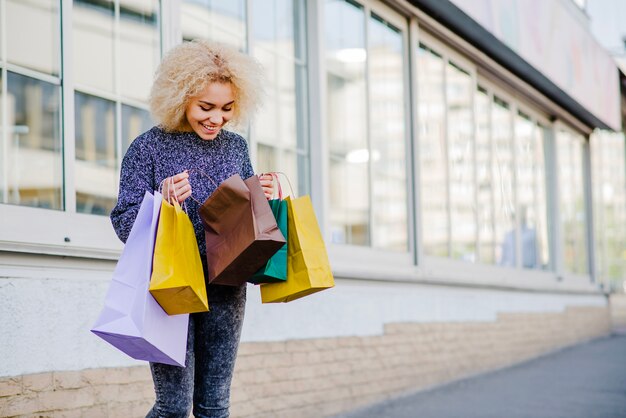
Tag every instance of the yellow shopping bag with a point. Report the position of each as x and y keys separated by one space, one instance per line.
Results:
x=308 y=268
x=177 y=280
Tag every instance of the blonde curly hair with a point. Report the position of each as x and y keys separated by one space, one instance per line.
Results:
x=188 y=68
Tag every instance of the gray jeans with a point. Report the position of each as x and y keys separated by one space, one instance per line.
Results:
x=204 y=383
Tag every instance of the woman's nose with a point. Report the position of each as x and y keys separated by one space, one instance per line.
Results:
x=216 y=119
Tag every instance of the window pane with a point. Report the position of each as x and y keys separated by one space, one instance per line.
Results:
x=33 y=34
x=273 y=25
x=96 y=181
x=484 y=179
x=134 y=122
x=33 y=170
x=543 y=242
x=433 y=165
x=139 y=47
x=459 y=88
x=280 y=132
x=504 y=203
x=609 y=175
x=530 y=192
x=217 y=20
x=388 y=136
x=572 y=201
x=347 y=122
x=94 y=58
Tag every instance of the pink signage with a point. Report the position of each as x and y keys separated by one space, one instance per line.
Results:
x=554 y=38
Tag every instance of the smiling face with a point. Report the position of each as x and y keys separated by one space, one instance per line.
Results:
x=209 y=111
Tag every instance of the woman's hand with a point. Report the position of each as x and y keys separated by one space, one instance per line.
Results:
x=177 y=187
x=267 y=184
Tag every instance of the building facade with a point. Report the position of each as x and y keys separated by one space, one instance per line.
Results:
x=465 y=160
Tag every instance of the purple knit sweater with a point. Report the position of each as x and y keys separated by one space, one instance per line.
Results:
x=157 y=154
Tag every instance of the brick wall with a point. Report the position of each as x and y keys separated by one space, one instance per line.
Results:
x=321 y=377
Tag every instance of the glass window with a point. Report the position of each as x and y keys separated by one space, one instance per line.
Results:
x=135 y=121
x=278 y=29
x=32 y=173
x=484 y=179
x=93 y=23
x=541 y=197
x=433 y=152
x=572 y=201
x=459 y=89
x=126 y=35
x=96 y=168
x=609 y=184
x=346 y=58
x=366 y=128
x=531 y=192
x=218 y=20
x=33 y=34
x=388 y=136
x=139 y=47
x=504 y=199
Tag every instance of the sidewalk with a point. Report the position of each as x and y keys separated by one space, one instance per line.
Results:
x=585 y=381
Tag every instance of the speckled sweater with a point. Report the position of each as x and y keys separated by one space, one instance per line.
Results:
x=157 y=154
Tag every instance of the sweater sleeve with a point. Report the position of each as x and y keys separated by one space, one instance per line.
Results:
x=136 y=177
x=246 y=165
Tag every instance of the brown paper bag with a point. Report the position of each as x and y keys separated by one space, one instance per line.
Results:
x=240 y=231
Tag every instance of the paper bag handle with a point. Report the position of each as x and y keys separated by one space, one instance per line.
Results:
x=274 y=175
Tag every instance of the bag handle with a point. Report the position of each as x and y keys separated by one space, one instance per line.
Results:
x=205 y=175
x=274 y=175
x=175 y=197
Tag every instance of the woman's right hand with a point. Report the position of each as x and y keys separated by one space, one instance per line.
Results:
x=177 y=187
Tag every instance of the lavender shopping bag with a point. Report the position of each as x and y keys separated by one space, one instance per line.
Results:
x=132 y=320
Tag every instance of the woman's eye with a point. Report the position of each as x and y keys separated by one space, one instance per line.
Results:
x=227 y=109
x=206 y=109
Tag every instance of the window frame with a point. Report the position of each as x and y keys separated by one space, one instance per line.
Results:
x=348 y=258
x=443 y=270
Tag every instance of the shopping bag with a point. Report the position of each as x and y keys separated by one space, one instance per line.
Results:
x=132 y=321
x=308 y=268
x=177 y=281
x=275 y=270
x=240 y=231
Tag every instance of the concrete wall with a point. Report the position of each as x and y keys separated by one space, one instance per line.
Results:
x=48 y=305
x=321 y=376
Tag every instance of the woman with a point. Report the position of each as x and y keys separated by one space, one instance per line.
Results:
x=198 y=89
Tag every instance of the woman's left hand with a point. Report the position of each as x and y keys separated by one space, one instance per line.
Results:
x=267 y=184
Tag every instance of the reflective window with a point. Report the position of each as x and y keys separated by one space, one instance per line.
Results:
x=96 y=168
x=433 y=152
x=113 y=83
x=218 y=20
x=504 y=199
x=32 y=173
x=279 y=134
x=531 y=193
x=94 y=44
x=572 y=201
x=135 y=121
x=463 y=234
x=365 y=85
x=484 y=179
x=140 y=47
x=388 y=136
x=609 y=184
x=33 y=34
x=346 y=60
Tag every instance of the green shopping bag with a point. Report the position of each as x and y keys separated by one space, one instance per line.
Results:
x=275 y=270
